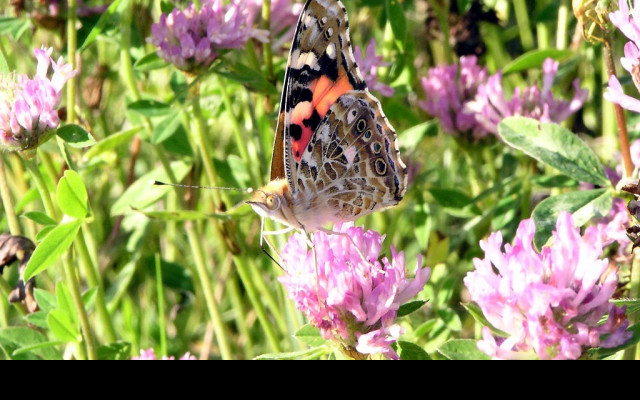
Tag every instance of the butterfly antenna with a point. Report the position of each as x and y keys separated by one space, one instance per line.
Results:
x=159 y=183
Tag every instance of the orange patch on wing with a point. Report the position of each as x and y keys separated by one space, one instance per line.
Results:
x=326 y=92
x=298 y=146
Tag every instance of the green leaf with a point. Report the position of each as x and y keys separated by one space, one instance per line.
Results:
x=178 y=143
x=119 y=351
x=423 y=223
x=398 y=21
x=584 y=205
x=40 y=218
x=15 y=338
x=247 y=76
x=143 y=193
x=44 y=232
x=62 y=326
x=167 y=127
x=33 y=347
x=309 y=354
x=455 y=202
x=561 y=181
x=46 y=301
x=411 y=352
x=72 y=195
x=410 y=308
x=150 y=62
x=76 y=136
x=150 y=108
x=51 y=248
x=451 y=319
x=38 y=318
x=477 y=314
x=535 y=59
x=310 y=336
x=14 y=27
x=174 y=276
x=65 y=301
x=601 y=352
x=4 y=66
x=112 y=142
x=120 y=285
x=412 y=137
x=462 y=349
x=633 y=305
x=425 y=327
x=107 y=18
x=182 y=215
x=555 y=146
x=446 y=292
x=506 y=211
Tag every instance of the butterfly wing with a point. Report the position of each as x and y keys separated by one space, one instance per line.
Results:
x=352 y=166
x=321 y=68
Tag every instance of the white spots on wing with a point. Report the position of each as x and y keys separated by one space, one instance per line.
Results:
x=351 y=116
x=331 y=51
x=330 y=32
x=308 y=59
x=308 y=19
x=295 y=55
x=324 y=20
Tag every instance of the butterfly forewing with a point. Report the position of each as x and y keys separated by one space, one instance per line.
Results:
x=321 y=68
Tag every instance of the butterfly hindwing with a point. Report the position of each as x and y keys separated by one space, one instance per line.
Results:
x=321 y=68
x=352 y=163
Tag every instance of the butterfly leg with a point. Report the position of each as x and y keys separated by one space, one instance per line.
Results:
x=315 y=265
x=264 y=240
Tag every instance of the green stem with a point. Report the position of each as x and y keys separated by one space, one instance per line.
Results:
x=93 y=278
x=205 y=280
x=72 y=44
x=161 y=319
x=633 y=353
x=126 y=71
x=525 y=205
x=257 y=303
x=623 y=134
x=47 y=163
x=7 y=202
x=236 y=302
x=522 y=16
x=268 y=51
x=442 y=12
x=562 y=36
x=237 y=130
x=69 y=271
x=42 y=188
x=252 y=55
x=203 y=145
x=74 y=287
x=267 y=296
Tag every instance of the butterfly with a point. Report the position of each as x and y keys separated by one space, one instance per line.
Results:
x=334 y=157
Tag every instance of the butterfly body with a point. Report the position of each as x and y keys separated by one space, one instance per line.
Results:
x=335 y=157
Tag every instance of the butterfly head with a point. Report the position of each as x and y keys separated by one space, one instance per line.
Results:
x=274 y=201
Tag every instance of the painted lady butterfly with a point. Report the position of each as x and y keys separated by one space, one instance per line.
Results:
x=335 y=158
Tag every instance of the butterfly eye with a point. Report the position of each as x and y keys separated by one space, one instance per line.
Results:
x=272 y=202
